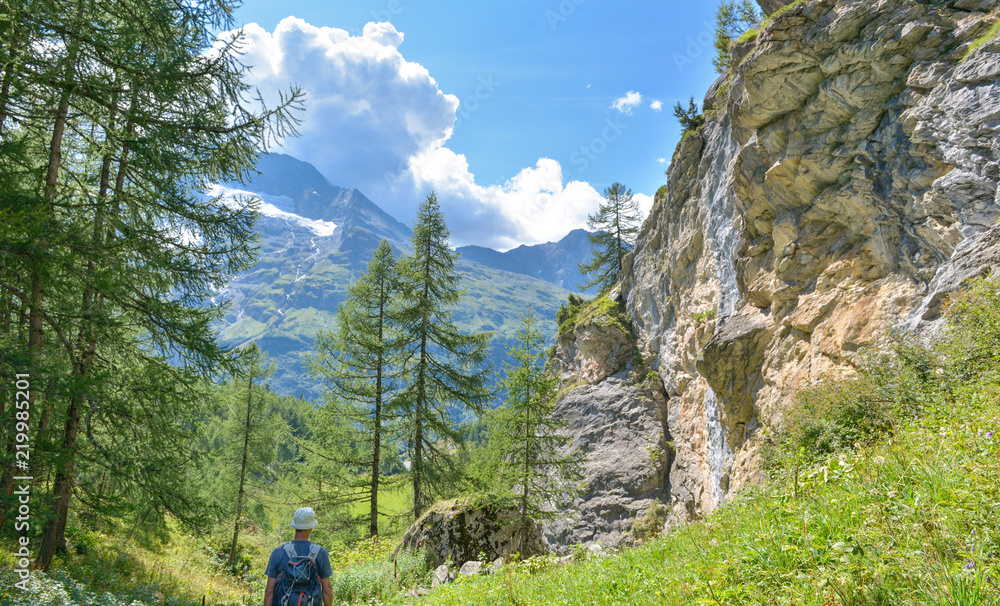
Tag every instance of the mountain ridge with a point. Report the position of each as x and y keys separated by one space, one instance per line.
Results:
x=316 y=238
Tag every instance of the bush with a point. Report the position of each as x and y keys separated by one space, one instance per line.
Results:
x=650 y=525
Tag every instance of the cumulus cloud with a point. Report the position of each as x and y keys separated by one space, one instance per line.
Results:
x=368 y=109
x=532 y=207
x=656 y=105
x=626 y=103
x=380 y=123
x=645 y=203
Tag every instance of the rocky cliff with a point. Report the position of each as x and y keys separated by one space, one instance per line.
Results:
x=844 y=181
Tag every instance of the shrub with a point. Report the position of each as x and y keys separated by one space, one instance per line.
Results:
x=650 y=525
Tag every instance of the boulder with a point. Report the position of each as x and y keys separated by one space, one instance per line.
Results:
x=442 y=575
x=464 y=531
x=471 y=568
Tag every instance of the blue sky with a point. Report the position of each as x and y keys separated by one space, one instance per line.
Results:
x=518 y=113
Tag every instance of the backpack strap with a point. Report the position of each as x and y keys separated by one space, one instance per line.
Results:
x=290 y=550
x=313 y=551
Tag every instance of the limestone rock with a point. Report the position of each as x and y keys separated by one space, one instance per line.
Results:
x=594 y=350
x=471 y=568
x=617 y=425
x=442 y=576
x=495 y=567
x=769 y=6
x=845 y=186
x=463 y=532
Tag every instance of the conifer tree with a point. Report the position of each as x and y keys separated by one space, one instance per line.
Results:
x=445 y=368
x=116 y=115
x=732 y=19
x=360 y=363
x=526 y=436
x=616 y=225
x=254 y=430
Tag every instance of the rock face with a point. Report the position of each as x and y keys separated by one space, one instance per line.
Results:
x=615 y=418
x=847 y=182
x=463 y=532
x=769 y=6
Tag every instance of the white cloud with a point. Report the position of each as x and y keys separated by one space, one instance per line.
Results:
x=645 y=203
x=625 y=104
x=656 y=105
x=534 y=206
x=380 y=123
x=661 y=160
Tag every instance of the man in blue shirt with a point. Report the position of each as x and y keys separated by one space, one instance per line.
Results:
x=315 y=559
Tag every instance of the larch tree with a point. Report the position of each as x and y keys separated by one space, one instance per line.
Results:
x=360 y=363
x=445 y=369
x=253 y=431
x=114 y=115
x=616 y=225
x=525 y=434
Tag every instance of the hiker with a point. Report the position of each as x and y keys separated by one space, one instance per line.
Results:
x=298 y=573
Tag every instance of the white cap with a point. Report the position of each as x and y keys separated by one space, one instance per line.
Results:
x=304 y=519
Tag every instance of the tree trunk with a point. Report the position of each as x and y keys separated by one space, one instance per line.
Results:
x=55 y=528
x=243 y=470
x=527 y=468
x=377 y=438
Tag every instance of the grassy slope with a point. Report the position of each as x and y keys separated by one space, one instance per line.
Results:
x=909 y=521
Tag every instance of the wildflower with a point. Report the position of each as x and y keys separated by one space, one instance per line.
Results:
x=989 y=435
x=970 y=565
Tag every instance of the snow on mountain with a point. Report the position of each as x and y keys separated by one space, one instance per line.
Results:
x=277 y=207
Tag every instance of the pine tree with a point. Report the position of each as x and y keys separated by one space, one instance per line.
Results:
x=616 y=225
x=445 y=368
x=360 y=363
x=526 y=435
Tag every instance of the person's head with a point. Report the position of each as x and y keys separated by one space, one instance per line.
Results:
x=303 y=522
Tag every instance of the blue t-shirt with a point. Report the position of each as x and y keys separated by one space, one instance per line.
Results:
x=279 y=560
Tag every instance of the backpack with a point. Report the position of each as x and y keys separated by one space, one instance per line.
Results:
x=299 y=583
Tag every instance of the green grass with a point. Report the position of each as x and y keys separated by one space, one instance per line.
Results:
x=911 y=521
x=747 y=36
x=985 y=39
x=117 y=571
x=601 y=311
